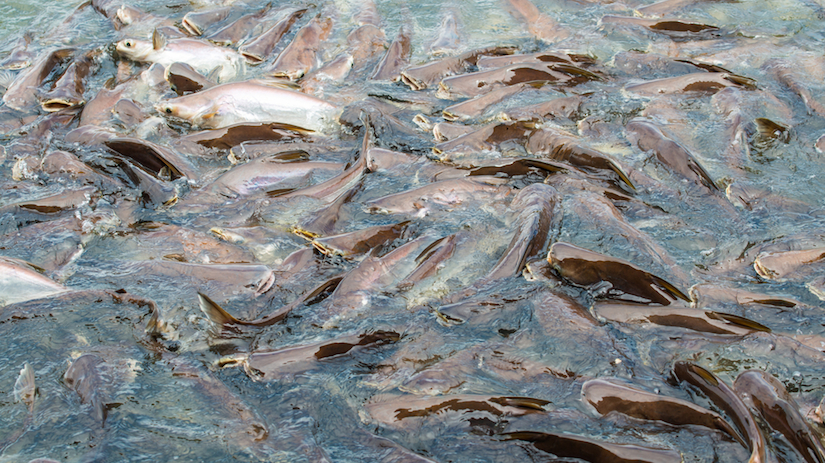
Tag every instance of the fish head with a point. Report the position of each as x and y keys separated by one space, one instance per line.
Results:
x=136 y=50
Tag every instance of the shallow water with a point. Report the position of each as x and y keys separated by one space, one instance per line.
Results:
x=180 y=393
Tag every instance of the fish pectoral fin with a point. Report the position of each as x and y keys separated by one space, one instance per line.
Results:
x=207 y=113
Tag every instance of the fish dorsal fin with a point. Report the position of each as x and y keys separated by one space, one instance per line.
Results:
x=216 y=313
x=158 y=40
x=277 y=83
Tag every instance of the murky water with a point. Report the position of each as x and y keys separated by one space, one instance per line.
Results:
x=359 y=375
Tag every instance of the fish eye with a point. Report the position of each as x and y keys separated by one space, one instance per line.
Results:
x=168 y=110
x=128 y=44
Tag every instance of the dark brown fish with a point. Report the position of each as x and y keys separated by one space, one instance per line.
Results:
x=489 y=137
x=22 y=93
x=706 y=321
x=570 y=446
x=673 y=28
x=561 y=146
x=726 y=399
x=234 y=135
x=184 y=79
x=624 y=280
x=67 y=92
x=771 y=399
x=291 y=361
x=219 y=316
x=391 y=412
x=649 y=137
x=360 y=241
x=539 y=215
x=429 y=261
x=155 y=159
x=258 y=50
x=607 y=396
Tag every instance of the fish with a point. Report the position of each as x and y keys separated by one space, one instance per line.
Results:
x=448 y=38
x=219 y=316
x=571 y=446
x=540 y=25
x=781 y=265
x=360 y=241
x=239 y=29
x=84 y=376
x=776 y=406
x=558 y=145
x=392 y=411
x=649 y=137
x=258 y=50
x=155 y=159
x=725 y=398
x=250 y=101
x=184 y=79
x=676 y=29
x=297 y=360
x=488 y=137
x=706 y=83
x=443 y=194
x=621 y=279
x=706 y=321
x=422 y=76
x=299 y=57
x=222 y=63
x=195 y=22
x=539 y=216
x=608 y=396
x=22 y=92
x=237 y=134
x=536 y=74
x=396 y=58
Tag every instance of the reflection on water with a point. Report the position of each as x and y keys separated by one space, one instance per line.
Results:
x=176 y=305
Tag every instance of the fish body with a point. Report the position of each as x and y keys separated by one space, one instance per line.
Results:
x=201 y=55
x=250 y=101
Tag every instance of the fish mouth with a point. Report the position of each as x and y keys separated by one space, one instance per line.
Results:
x=252 y=59
x=56 y=104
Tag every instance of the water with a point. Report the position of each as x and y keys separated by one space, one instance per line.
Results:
x=182 y=393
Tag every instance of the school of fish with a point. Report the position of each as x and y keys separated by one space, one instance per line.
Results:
x=506 y=230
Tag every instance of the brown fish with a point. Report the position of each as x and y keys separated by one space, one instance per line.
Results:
x=22 y=93
x=726 y=399
x=539 y=215
x=706 y=321
x=623 y=279
x=558 y=145
x=184 y=79
x=391 y=412
x=235 y=134
x=239 y=29
x=771 y=399
x=570 y=446
x=360 y=241
x=67 y=92
x=292 y=361
x=607 y=396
